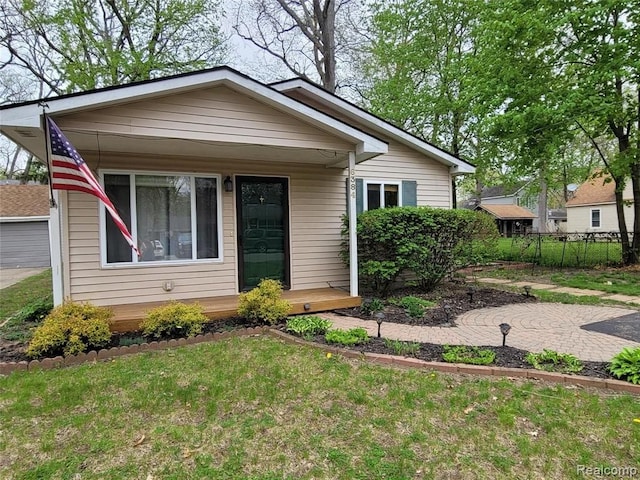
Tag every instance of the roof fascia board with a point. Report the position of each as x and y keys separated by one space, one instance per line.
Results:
x=457 y=166
x=28 y=115
x=23 y=219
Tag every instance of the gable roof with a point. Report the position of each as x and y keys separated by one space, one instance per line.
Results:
x=24 y=201
x=507 y=212
x=594 y=192
x=352 y=111
x=503 y=190
x=22 y=122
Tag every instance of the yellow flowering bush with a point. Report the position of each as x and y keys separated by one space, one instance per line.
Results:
x=174 y=319
x=71 y=328
x=264 y=303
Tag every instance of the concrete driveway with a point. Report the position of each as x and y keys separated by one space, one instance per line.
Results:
x=9 y=276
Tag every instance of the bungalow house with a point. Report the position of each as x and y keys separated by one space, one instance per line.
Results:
x=223 y=180
x=510 y=219
x=24 y=226
x=592 y=208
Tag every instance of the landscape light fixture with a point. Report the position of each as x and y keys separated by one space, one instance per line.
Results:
x=447 y=312
x=505 y=328
x=228 y=184
x=379 y=319
x=527 y=290
x=471 y=290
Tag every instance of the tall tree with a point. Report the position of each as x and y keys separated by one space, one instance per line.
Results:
x=558 y=68
x=304 y=35
x=83 y=44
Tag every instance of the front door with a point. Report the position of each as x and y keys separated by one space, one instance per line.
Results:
x=262 y=207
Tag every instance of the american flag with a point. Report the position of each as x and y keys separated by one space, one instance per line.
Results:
x=70 y=172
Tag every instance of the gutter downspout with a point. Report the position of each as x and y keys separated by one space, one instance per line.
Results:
x=353 y=240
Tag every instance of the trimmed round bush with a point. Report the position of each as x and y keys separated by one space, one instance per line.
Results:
x=264 y=303
x=174 y=319
x=71 y=328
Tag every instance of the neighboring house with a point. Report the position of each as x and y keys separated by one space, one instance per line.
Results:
x=24 y=226
x=510 y=219
x=593 y=207
x=224 y=181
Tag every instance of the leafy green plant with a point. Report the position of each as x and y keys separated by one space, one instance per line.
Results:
x=18 y=326
x=626 y=365
x=470 y=355
x=264 y=303
x=552 y=361
x=308 y=325
x=414 y=306
x=426 y=242
x=174 y=319
x=353 y=336
x=71 y=328
x=402 y=348
x=372 y=306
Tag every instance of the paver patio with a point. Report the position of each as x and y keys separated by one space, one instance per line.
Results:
x=534 y=326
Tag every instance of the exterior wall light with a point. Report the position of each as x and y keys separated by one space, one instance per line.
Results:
x=228 y=184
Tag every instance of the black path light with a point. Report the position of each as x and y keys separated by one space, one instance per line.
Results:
x=505 y=328
x=379 y=319
x=471 y=290
x=447 y=312
x=527 y=290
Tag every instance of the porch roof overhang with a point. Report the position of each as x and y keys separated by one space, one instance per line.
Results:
x=22 y=123
x=457 y=166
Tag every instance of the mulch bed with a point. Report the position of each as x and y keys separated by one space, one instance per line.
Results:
x=452 y=300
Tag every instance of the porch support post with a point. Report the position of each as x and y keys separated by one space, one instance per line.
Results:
x=55 y=246
x=353 y=240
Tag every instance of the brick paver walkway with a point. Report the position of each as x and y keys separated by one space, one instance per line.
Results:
x=533 y=327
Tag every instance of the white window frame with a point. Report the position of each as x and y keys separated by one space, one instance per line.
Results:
x=382 y=183
x=134 y=220
x=599 y=210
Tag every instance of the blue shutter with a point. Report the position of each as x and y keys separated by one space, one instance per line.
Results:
x=359 y=195
x=409 y=193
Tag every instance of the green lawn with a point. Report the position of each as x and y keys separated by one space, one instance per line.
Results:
x=259 y=409
x=607 y=281
x=551 y=252
x=16 y=301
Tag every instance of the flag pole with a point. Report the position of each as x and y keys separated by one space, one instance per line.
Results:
x=45 y=127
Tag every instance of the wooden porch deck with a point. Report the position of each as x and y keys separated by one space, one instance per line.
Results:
x=127 y=318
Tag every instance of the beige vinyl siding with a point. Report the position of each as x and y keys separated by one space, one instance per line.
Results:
x=579 y=218
x=400 y=163
x=316 y=203
x=216 y=114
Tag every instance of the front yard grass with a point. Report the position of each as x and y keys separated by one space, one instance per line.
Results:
x=257 y=408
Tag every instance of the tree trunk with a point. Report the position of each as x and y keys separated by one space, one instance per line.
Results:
x=328 y=29
x=543 y=213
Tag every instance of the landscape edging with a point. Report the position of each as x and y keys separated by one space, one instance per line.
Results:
x=406 y=362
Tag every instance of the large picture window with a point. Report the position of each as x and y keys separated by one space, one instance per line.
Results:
x=171 y=217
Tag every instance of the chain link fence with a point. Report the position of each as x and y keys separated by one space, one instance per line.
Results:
x=564 y=250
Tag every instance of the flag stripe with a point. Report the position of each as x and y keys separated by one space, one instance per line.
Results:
x=70 y=172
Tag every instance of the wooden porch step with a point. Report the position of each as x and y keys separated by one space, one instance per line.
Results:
x=127 y=317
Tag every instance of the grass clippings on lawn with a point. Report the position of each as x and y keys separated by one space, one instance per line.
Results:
x=257 y=408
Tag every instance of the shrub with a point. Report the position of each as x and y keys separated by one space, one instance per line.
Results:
x=174 y=319
x=264 y=303
x=71 y=328
x=308 y=325
x=551 y=361
x=372 y=306
x=626 y=365
x=470 y=355
x=354 y=336
x=414 y=306
x=402 y=348
x=426 y=242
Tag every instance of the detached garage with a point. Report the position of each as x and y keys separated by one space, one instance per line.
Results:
x=24 y=226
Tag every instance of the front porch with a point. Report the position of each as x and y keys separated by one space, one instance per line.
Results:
x=128 y=317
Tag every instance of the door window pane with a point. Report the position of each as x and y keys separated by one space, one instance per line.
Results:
x=117 y=188
x=373 y=196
